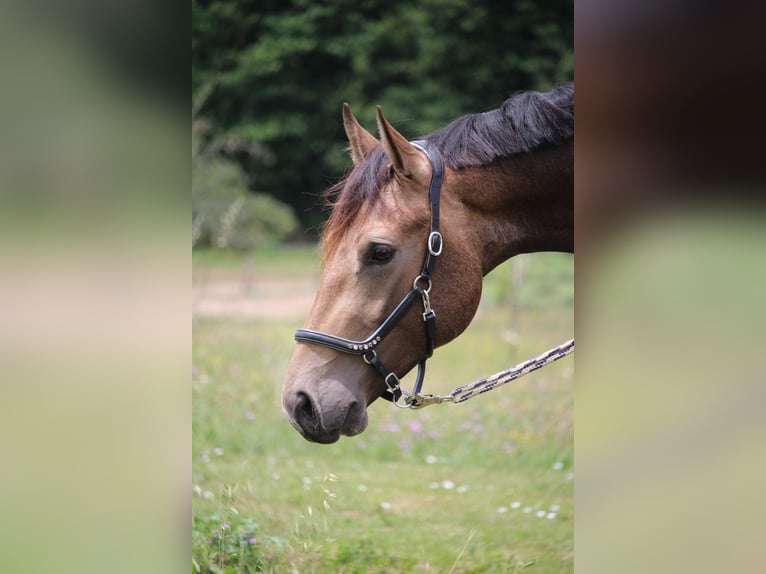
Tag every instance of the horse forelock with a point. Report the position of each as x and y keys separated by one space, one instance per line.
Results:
x=353 y=198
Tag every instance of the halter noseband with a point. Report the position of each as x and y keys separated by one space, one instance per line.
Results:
x=421 y=288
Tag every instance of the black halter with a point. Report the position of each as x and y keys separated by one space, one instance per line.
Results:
x=421 y=288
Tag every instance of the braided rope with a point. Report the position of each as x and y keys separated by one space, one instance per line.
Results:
x=462 y=394
x=465 y=392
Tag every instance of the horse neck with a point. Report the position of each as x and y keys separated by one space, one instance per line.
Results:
x=520 y=204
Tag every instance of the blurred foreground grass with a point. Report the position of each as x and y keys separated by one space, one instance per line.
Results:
x=492 y=478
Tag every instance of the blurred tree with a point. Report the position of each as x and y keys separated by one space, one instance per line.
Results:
x=280 y=71
x=225 y=214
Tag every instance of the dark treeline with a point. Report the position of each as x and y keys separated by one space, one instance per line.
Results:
x=269 y=77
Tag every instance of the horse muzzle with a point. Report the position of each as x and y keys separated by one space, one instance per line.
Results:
x=322 y=409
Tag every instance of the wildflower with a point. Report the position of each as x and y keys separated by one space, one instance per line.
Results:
x=225 y=526
x=448 y=484
x=385 y=505
x=250 y=415
x=558 y=465
x=218 y=451
x=555 y=508
x=516 y=504
x=252 y=541
x=502 y=509
x=361 y=488
x=550 y=515
x=430 y=459
x=540 y=513
x=462 y=488
x=415 y=426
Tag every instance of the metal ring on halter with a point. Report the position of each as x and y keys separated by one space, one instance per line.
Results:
x=422 y=278
x=408 y=400
x=435 y=251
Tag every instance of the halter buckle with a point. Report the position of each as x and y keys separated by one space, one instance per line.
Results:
x=392 y=388
x=435 y=243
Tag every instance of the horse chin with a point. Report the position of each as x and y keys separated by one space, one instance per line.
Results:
x=355 y=422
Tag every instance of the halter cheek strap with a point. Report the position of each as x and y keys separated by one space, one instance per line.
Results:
x=421 y=289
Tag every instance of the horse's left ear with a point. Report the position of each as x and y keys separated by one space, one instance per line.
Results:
x=407 y=160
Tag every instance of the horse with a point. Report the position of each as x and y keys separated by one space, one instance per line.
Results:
x=471 y=195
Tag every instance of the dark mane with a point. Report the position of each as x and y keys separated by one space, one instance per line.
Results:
x=527 y=121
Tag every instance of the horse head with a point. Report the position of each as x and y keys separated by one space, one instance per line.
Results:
x=374 y=248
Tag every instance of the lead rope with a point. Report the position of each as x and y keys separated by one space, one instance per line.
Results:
x=462 y=394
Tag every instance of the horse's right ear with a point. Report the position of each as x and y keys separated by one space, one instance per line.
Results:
x=361 y=141
x=406 y=159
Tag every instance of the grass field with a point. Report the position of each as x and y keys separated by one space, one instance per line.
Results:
x=485 y=486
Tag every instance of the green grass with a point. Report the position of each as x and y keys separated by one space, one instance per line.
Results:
x=419 y=491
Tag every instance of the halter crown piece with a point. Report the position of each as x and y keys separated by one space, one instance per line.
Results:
x=421 y=288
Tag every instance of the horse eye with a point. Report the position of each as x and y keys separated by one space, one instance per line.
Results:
x=381 y=253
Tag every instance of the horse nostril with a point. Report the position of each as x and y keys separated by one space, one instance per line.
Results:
x=304 y=412
x=307 y=419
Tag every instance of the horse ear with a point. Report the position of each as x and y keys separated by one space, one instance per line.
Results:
x=361 y=141
x=406 y=159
